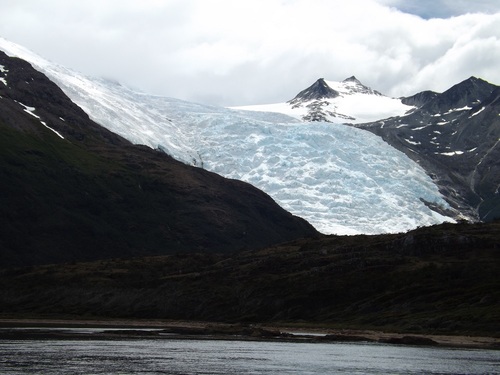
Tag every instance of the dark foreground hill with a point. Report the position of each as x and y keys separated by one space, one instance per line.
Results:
x=71 y=190
x=441 y=279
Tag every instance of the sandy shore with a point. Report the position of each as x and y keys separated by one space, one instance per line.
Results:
x=211 y=330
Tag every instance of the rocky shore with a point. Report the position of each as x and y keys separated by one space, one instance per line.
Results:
x=61 y=329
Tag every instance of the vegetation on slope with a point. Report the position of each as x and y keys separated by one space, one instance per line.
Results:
x=441 y=279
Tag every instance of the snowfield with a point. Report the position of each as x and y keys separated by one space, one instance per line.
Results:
x=341 y=179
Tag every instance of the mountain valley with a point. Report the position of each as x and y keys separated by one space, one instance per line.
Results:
x=121 y=205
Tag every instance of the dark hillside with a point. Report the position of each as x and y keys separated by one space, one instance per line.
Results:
x=93 y=195
x=441 y=279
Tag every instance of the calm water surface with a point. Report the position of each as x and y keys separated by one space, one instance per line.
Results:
x=173 y=356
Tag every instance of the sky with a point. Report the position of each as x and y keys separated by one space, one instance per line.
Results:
x=243 y=52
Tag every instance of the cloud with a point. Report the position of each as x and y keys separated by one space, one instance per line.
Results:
x=258 y=51
x=443 y=8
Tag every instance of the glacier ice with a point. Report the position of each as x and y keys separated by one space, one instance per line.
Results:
x=341 y=179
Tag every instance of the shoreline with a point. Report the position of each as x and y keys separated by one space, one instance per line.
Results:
x=114 y=329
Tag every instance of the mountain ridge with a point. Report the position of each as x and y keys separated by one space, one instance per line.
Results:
x=455 y=137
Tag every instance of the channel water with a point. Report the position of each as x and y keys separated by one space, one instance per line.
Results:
x=186 y=356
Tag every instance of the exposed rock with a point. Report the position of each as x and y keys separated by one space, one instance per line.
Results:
x=318 y=90
x=410 y=340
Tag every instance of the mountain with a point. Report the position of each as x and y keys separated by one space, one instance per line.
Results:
x=71 y=190
x=341 y=179
x=338 y=102
x=455 y=137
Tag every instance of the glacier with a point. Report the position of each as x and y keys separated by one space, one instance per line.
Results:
x=341 y=179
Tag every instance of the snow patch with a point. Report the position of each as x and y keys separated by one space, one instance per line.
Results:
x=2 y=79
x=55 y=131
x=31 y=111
x=452 y=153
x=466 y=108
x=421 y=127
x=476 y=113
x=412 y=142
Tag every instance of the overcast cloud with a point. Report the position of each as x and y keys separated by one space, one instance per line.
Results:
x=237 y=52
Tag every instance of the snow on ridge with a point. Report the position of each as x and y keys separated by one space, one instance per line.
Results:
x=341 y=179
x=3 y=70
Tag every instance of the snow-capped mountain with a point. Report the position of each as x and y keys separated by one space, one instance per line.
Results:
x=348 y=101
x=341 y=179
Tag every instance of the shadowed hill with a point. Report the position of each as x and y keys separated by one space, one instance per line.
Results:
x=437 y=279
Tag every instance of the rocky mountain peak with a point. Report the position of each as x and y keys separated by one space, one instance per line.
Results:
x=318 y=90
x=334 y=101
x=354 y=86
x=352 y=79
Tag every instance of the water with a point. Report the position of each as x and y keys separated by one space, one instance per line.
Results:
x=174 y=356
